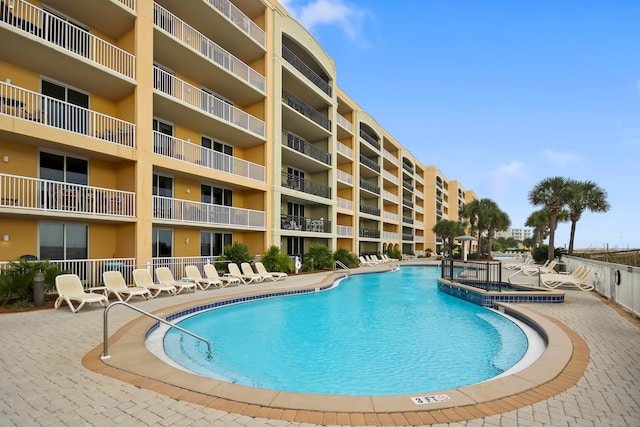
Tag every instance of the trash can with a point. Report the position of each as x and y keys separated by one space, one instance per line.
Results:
x=561 y=267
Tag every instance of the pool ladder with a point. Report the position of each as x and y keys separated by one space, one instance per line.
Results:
x=342 y=266
x=105 y=342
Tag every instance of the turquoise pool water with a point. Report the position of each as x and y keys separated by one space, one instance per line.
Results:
x=375 y=334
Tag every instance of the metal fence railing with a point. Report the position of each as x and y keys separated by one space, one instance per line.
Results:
x=484 y=275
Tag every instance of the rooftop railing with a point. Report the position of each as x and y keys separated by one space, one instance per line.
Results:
x=189 y=94
x=189 y=36
x=169 y=146
x=306 y=71
x=241 y=20
x=28 y=105
x=306 y=110
x=305 y=185
x=72 y=38
x=168 y=208
x=303 y=146
x=54 y=196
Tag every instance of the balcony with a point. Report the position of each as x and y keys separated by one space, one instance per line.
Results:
x=419 y=239
x=408 y=203
x=169 y=146
x=300 y=145
x=344 y=177
x=344 y=150
x=369 y=163
x=207 y=52
x=390 y=177
x=390 y=196
x=439 y=185
x=306 y=110
x=345 y=204
x=17 y=192
x=24 y=104
x=31 y=33
x=371 y=210
x=344 y=231
x=368 y=233
x=300 y=223
x=387 y=155
x=369 y=186
x=418 y=224
x=390 y=216
x=177 y=210
x=438 y=212
x=241 y=20
x=346 y=124
x=407 y=185
x=371 y=140
x=407 y=220
x=179 y=90
x=418 y=209
x=300 y=184
x=407 y=237
x=389 y=235
x=306 y=71
x=407 y=167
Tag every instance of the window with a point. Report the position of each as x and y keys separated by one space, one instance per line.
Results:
x=74 y=117
x=59 y=168
x=295 y=179
x=162 y=242
x=215 y=195
x=163 y=205
x=216 y=160
x=162 y=144
x=295 y=246
x=212 y=243
x=216 y=146
x=60 y=241
x=162 y=185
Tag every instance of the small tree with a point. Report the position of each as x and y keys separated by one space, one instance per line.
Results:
x=318 y=258
x=274 y=260
x=237 y=253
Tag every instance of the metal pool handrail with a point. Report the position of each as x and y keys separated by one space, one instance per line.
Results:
x=105 y=342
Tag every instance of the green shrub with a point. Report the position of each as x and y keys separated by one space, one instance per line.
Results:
x=238 y=253
x=347 y=258
x=16 y=283
x=539 y=254
x=394 y=253
x=274 y=260
x=318 y=258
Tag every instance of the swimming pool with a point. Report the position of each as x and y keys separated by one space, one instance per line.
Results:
x=388 y=346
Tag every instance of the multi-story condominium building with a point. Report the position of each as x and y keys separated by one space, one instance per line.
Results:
x=133 y=131
x=520 y=234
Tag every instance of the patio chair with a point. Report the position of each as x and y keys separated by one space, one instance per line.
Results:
x=519 y=265
x=115 y=283
x=70 y=289
x=142 y=278
x=165 y=276
x=271 y=275
x=211 y=273
x=547 y=268
x=234 y=271
x=364 y=262
x=247 y=271
x=578 y=278
x=193 y=274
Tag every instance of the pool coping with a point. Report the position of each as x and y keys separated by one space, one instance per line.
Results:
x=559 y=367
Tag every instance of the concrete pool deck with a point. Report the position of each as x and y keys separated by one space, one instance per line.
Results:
x=45 y=383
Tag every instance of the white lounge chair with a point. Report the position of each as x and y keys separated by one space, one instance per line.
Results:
x=193 y=274
x=364 y=262
x=142 y=278
x=546 y=268
x=579 y=278
x=70 y=289
x=165 y=276
x=115 y=283
x=211 y=273
x=371 y=260
x=519 y=265
x=247 y=271
x=271 y=275
x=234 y=271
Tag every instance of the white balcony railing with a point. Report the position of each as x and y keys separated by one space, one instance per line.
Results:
x=391 y=177
x=72 y=38
x=241 y=20
x=344 y=123
x=167 y=208
x=419 y=239
x=345 y=204
x=344 y=150
x=418 y=224
x=169 y=146
x=419 y=193
x=419 y=178
x=388 y=235
x=53 y=196
x=387 y=155
x=418 y=209
x=201 y=44
x=390 y=216
x=24 y=104
x=343 y=176
x=131 y=4
x=344 y=231
x=390 y=196
x=179 y=89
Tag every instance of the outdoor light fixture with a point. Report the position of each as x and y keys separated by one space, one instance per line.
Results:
x=5 y=237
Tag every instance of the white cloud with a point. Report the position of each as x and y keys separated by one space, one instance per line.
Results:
x=560 y=158
x=327 y=12
x=505 y=175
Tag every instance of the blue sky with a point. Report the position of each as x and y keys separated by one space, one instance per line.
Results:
x=501 y=94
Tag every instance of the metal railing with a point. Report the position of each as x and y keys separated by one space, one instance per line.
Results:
x=303 y=146
x=105 y=327
x=387 y=155
x=369 y=186
x=390 y=196
x=72 y=38
x=391 y=177
x=300 y=223
x=306 y=71
x=169 y=146
x=168 y=208
x=407 y=237
x=340 y=264
x=344 y=150
x=371 y=140
x=407 y=219
x=305 y=109
x=342 y=121
x=241 y=20
x=28 y=105
x=300 y=184
x=344 y=231
x=407 y=202
x=131 y=4
x=390 y=235
x=390 y=216
x=189 y=94
x=369 y=163
x=343 y=176
x=369 y=233
x=54 y=196
x=407 y=185
x=189 y=36
x=484 y=275
x=345 y=203
x=371 y=210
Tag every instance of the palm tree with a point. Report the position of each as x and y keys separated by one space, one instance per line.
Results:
x=497 y=220
x=584 y=195
x=481 y=214
x=448 y=230
x=551 y=193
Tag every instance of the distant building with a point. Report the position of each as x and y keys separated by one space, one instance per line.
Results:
x=519 y=234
